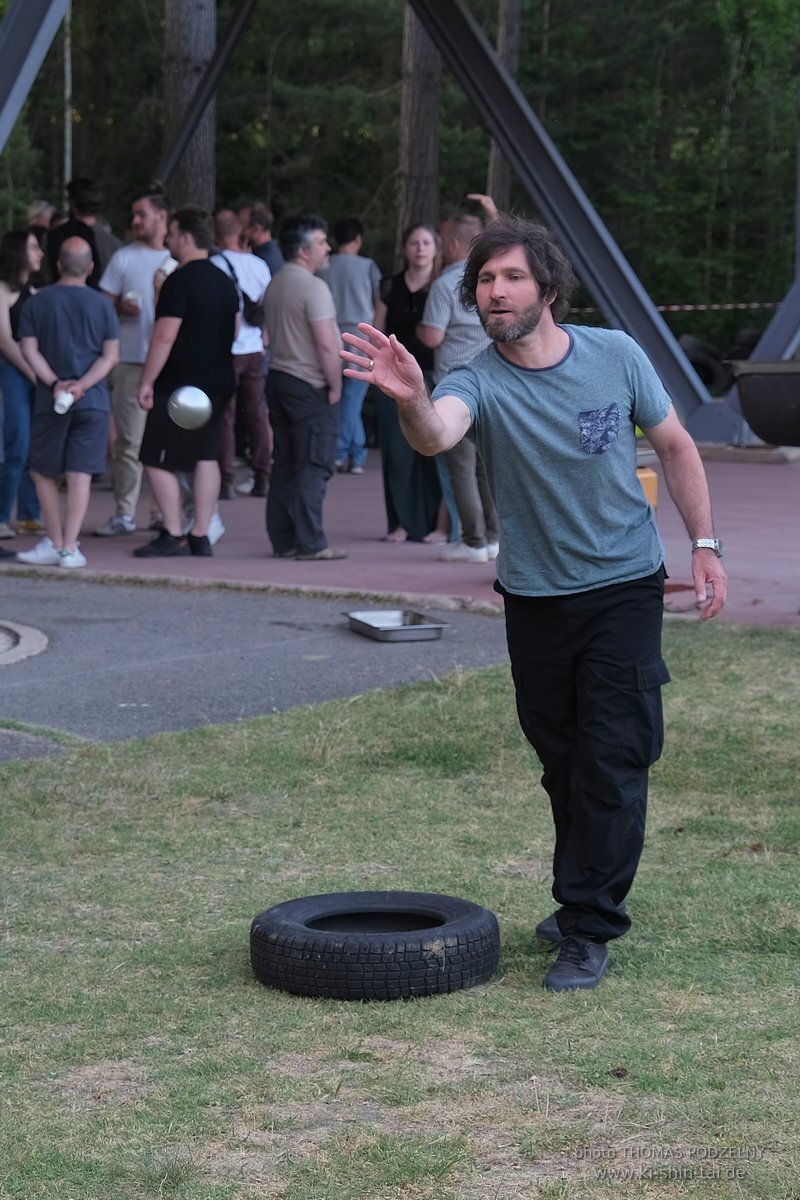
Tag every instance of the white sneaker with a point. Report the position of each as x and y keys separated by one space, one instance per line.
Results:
x=44 y=554
x=492 y=550
x=246 y=486
x=461 y=552
x=6 y=531
x=71 y=558
x=116 y=525
x=215 y=528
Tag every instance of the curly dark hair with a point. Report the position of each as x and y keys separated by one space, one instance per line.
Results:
x=548 y=263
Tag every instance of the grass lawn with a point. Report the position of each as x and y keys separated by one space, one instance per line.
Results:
x=140 y=1057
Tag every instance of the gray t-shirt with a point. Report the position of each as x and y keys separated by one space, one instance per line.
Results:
x=354 y=282
x=70 y=325
x=559 y=448
x=464 y=336
x=295 y=300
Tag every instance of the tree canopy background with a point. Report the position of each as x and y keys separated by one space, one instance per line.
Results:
x=678 y=117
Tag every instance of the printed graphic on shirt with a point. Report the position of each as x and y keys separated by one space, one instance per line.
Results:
x=599 y=428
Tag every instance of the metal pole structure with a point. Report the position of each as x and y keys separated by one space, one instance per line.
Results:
x=67 y=96
x=557 y=194
x=206 y=89
x=797 y=189
x=26 y=34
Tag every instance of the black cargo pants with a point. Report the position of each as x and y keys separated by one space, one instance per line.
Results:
x=588 y=671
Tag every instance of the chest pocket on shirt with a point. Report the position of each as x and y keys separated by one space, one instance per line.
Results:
x=599 y=428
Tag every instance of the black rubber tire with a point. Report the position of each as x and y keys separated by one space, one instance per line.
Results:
x=707 y=362
x=374 y=945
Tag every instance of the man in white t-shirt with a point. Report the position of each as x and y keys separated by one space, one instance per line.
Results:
x=128 y=282
x=251 y=276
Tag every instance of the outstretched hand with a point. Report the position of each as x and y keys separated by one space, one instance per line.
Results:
x=376 y=358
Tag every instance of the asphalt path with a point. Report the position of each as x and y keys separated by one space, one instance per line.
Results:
x=125 y=662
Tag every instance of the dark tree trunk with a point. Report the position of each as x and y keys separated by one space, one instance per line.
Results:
x=419 y=127
x=189 y=44
x=498 y=180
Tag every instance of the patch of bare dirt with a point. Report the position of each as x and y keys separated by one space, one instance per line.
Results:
x=112 y=1081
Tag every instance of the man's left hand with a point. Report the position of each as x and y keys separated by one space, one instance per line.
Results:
x=710 y=583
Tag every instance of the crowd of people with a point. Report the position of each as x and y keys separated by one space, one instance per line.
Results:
x=98 y=332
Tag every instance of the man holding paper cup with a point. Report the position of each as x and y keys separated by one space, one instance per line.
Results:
x=70 y=336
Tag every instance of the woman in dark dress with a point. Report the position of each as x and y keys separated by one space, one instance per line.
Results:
x=411 y=481
x=20 y=260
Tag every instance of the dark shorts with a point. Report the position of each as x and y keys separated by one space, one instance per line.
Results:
x=171 y=448
x=72 y=441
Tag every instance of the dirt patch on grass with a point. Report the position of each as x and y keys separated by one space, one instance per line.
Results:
x=113 y=1081
x=538 y=869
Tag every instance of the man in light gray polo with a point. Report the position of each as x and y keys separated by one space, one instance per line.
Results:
x=304 y=388
x=456 y=336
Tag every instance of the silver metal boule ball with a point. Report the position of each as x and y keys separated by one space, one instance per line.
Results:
x=189 y=407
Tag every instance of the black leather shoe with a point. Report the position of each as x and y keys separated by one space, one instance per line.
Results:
x=581 y=963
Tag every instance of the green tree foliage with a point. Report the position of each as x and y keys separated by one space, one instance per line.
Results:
x=678 y=117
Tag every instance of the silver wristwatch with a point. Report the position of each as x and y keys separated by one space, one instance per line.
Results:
x=708 y=544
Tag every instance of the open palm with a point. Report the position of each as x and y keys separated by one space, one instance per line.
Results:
x=388 y=364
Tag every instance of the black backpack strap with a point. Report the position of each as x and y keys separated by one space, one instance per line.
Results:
x=232 y=272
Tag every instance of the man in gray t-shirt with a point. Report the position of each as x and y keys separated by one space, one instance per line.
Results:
x=70 y=336
x=354 y=282
x=553 y=410
x=456 y=335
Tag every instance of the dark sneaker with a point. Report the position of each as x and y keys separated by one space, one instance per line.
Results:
x=164 y=546
x=199 y=545
x=548 y=930
x=581 y=963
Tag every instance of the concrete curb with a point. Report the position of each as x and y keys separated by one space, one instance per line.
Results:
x=184 y=583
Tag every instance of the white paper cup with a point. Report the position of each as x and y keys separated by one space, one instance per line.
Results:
x=63 y=402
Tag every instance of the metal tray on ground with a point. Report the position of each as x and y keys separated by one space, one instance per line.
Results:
x=395 y=625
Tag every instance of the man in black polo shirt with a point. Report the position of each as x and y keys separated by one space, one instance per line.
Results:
x=197 y=318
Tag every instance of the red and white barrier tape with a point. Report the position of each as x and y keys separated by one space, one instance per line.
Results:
x=693 y=307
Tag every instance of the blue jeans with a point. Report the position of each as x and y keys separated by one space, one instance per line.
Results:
x=16 y=485
x=352 y=439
